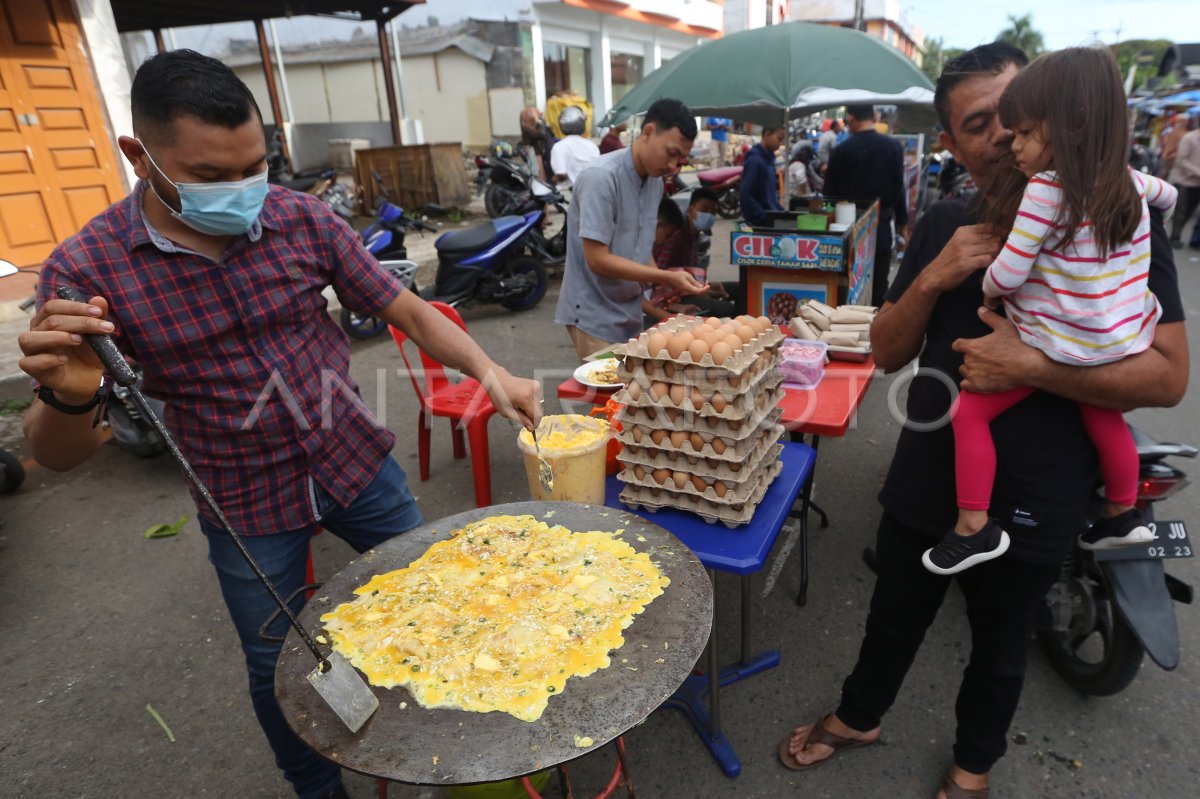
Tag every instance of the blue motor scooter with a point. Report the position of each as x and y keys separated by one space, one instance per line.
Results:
x=488 y=263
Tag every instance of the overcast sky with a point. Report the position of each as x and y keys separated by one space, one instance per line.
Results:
x=1063 y=23
x=960 y=23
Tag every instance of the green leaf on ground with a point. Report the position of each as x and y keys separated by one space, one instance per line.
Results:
x=154 y=714
x=166 y=530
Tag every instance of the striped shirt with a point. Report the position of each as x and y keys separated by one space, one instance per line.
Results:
x=1072 y=304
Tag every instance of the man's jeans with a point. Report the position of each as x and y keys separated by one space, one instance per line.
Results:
x=382 y=510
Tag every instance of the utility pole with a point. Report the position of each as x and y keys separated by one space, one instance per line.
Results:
x=859 y=22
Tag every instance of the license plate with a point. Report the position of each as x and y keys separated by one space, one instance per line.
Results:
x=1171 y=541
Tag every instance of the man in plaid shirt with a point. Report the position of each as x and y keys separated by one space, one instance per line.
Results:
x=212 y=281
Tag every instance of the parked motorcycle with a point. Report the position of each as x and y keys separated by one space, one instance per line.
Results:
x=384 y=239
x=1112 y=606
x=489 y=263
x=321 y=183
x=726 y=181
x=502 y=178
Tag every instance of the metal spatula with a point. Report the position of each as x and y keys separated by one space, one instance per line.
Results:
x=334 y=678
x=545 y=473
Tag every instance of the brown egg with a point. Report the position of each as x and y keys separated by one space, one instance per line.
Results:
x=699 y=483
x=698 y=349
x=635 y=389
x=719 y=487
x=734 y=341
x=735 y=381
x=660 y=475
x=659 y=389
x=712 y=422
x=693 y=460
x=658 y=436
x=678 y=344
x=672 y=457
x=655 y=344
x=697 y=399
x=696 y=441
x=639 y=472
x=680 y=479
x=718 y=445
x=721 y=352
x=637 y=434
x=725 y=330
x=718 y=401
x=703 y=333
x=678 y=437
x=764 y=323
x=650 y=413
x=712 y=322
x=735 y=467
x=672 y=414
x=747 y=333
x=669 y=369
x=677 y=393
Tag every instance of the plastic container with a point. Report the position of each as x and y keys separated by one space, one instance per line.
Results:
x=812 y=222
x=610 y=411
x=575 y=446
x=803 y=363
x=507 y=789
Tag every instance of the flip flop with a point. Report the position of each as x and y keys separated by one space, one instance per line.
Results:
x=955 y=791
x=819 y=735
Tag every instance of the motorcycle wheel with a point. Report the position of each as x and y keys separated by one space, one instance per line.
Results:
x=137 y=437
x=12 y=473
x=531 y=269
x=498 y=199
x=1097 y=654
x=729 y=204
x=360 y=326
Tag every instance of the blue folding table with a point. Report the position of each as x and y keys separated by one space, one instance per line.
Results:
x=742 y=550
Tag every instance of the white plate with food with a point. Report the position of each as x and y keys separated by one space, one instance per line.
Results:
x=599 y=374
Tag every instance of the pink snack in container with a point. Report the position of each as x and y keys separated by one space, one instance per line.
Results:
x=803 y=363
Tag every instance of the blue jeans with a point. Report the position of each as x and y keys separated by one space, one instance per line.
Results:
x=382 y=510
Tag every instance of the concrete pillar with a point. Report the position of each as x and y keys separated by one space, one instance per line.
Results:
x=112 y=73
x=601 y=71
x=655 y=53
x=539 y=66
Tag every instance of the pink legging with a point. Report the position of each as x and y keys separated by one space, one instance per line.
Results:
x=975 y=453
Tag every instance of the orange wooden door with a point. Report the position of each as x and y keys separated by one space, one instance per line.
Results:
x=58 y=168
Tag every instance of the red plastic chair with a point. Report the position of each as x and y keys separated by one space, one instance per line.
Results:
x=465 y=404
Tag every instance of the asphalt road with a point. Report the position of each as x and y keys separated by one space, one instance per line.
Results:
x=97 y=623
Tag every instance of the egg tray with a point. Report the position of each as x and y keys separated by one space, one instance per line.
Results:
x=738 y=407
x=730 y=514
x=736 y=451
x=735 y=365
x=734 y=471
x=738 y=490
x=647 y=370
x=707 y=426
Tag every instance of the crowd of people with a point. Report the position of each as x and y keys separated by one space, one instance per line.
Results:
x=248 y=254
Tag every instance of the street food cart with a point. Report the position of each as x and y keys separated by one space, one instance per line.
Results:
x=780 y=265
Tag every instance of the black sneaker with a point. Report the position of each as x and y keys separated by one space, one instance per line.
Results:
x=1127 y=530
x=956 y=552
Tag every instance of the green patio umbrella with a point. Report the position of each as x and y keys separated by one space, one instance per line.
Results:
x=768 y=75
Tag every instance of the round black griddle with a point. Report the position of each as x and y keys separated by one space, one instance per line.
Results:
x=449 y=747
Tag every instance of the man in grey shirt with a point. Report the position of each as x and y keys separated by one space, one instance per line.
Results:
x=610 y=232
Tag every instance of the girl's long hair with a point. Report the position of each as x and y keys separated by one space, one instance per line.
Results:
x=1076 y=97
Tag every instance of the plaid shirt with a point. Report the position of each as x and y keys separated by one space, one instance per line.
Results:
x=679 y=253
x=254 y=371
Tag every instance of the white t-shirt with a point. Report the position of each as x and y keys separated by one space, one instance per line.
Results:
x=571 y=154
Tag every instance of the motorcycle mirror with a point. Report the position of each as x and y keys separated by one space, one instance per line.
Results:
x=8 y=268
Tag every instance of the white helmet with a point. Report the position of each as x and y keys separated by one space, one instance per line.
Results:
x=572 y=121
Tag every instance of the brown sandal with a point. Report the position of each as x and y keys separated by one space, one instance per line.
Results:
x=955 y=791
x=819 y=735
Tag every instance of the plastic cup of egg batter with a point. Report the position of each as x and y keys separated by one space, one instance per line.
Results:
x=575 y=447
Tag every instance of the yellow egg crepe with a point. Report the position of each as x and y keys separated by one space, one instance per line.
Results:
x=497 y=617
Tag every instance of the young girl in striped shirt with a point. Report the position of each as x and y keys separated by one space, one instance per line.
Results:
x=1072 y=278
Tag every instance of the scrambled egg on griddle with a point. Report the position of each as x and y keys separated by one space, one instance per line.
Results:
x=498 y=616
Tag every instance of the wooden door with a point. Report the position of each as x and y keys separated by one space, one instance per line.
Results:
x=58 y=167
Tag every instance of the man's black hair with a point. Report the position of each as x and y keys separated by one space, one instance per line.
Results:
x=186 y=83
x=863 y=113
x=701 y=194
x=667 y=113
x=986 y=59
x=669 y=212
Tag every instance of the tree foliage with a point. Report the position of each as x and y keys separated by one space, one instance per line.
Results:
x=1021 y=33
x=936 y=57
x=1127 y=53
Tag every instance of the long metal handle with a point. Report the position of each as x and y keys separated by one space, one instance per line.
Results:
x=114 y=361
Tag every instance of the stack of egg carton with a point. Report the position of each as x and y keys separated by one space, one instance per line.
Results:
x=698 y=434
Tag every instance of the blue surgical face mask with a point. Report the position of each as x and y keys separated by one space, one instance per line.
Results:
x=216 y=209
x=704 y=221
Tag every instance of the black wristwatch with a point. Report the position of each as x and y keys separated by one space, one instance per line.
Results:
x=46 y=395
